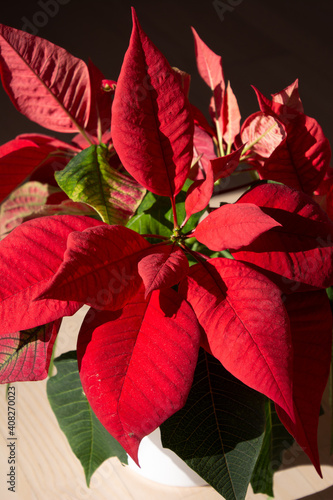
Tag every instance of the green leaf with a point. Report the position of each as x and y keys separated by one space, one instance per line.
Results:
x=276 y=440
x=160 y=210
x=146 y=224
x=90 y=179
x=219 y=431
x=147 y=202
x=154 y=216
x=89 y=440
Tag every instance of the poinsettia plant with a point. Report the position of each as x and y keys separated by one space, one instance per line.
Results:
x=212 y=324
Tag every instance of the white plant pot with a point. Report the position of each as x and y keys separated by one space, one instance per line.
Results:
x=163 y=465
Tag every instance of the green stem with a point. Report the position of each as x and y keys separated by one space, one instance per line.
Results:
x=219 y=137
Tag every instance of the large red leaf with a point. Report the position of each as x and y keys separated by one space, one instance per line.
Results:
x=137 y=365
x=45 y=83
x=163 y=267
x=233 y=226
x=299 y=254
x=311 y=332
x=302 y=160
x=26 y=355
x=99 y=267
x=152 y=127
x=29 y=257
x=246 y=325
x=21 y=156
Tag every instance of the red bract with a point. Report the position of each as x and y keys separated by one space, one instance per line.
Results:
x=200 y=193
x=203 y=153
x=152 y=128
x=230 y=117
x=290 y=97
x=26 y=355
x=246 y=325
x=136 y=365
x=264 y=133
x=210 y=69
x=209 y=64
x=28 y=151
x=44 y=81
x=302 y=160
x=223 y=106
x=299 y=254
x=233 y=226
x=44 y=243
x=99 y=267
x=163 y=267
x=226 y=165
x=309 y=314
x=101 y=99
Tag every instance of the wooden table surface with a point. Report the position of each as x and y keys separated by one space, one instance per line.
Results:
x=48 y=470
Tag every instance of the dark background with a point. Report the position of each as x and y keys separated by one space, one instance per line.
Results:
x=263 y=43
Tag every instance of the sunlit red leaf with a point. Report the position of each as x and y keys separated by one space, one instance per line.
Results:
x=136 y=365
x=230 y=116
x=233 y=226
x=163 y=267
x=209 y=64
x=29 y=257
x=299 y=254
x=302 y=160
x=290 y=97
x=152 y=127
x=210 y=69
x=45 y=83
x=246 y=325
x=264 y=132
x=26 y=355
x=311 y=332
x=99 y=267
